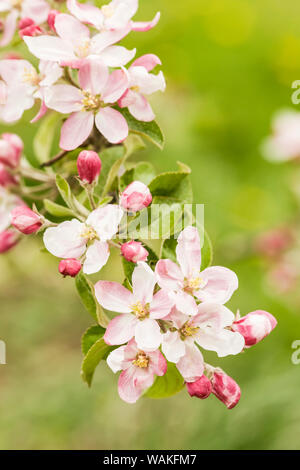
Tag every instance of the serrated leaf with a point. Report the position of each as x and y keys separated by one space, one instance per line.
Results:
x=150 y=130
x=57 y=210
x=98 y=352
x=86 y=292
x=167 y=385
x=44 y=137
x=91 y=335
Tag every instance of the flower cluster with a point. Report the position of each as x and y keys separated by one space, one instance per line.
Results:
x=169 y=310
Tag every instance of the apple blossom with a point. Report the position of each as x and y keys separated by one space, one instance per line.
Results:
x=74 y=44
x=214 y=284
x=23 y=85
x=225 y=389
x=37 y=10
x=25 y=220
x=6 y=178
x=89 y=166
x=90 y=104
x=141 y=83
x=8 y=239
x=255 y=326
x=134 y=251
x=138 y=367
x=69 y=267
x=201 y=388
x=140 y=309
x=72 y=238
x=11 y=148
x=135 y=197
x=116 y=15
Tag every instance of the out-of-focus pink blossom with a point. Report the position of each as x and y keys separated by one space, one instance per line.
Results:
x=89 y=166
x=140 y=309
x=69 y=267
x=139 y=369
x=90 y=104
x=201 y=388
x=284 y=143
x=225 y=389
x=25 y=220
x=51 y=19
x=114 y=16
x=284 y=276
x=11 y=148
x=141 y=83
x=214 y=284
x=8 y=202
x=135 y=197
x=255 y=326
x=72 y=238
x=6 y=178
x=134 y=251
x=74 y=44
x=25 y=22
x=8 y=239
x=274 y=242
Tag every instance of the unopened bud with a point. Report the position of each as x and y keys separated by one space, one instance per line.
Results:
x=69 y=267
x=135 y=197
x=11 y=148
x=134 y=251
x=51 y=19
x=255 y=326
x=8 y=239
x=225 y=389
x=6 y=178
x=25 y=22
x=201 y=388
x=25 y=220
x=89 y=166
x=33 y=30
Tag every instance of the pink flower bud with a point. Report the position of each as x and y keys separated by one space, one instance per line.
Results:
x=89 y=166
x=225 y=389
x=25 y=22
x=25 y=220
x=51 y=19
x=255 y=326
x=11 y=148
x=135 y=197
x=33 y=30
x=134 y=251
x=69 y=267
x=6 y=178
x=201 y=388
x=8 y=239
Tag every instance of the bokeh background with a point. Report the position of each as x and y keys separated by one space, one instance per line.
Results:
x=229 y=66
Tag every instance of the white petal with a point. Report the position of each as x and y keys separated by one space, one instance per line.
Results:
x=147 y=335
x=143 y=282
x=172 y=346
x=65 y=240
x=115 y=359
x=96 y=257
x=105 y=220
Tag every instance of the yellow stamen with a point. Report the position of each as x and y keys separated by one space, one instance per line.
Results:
x=139 y=310
x=83 y=47
x=141 y=360
x=188 y=330
x=107 y=11
x=31 y=76
x=89 y=233
x=16 y=3
x=90 y=102
x=135 y=88
x=190 y=285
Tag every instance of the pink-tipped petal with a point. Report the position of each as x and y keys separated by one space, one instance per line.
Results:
x=220 y=285
x=147 y=335
x=158 y=363
x=143 y=282
x=114 y=297
x=63 y=98
x=96 y=257
x=112 y=125
x=145 y=25
x=255 y=326
x=93 y=76
x=36 y=9
x=188 y=252
x=148 y=61
x=161 y=305
x=120 y=329
x=141 y=109
x=10 y=25
x=115 y=87
x=70 y=29
x=76 y=130
x=191 y=365
x=185 y=303
x=169 y=275
x=86 y=13
x=129 y=389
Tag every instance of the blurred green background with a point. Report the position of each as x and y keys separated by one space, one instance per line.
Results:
x=229 y=65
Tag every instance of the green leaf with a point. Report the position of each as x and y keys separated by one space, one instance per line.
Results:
x=98 y=352
x=43 y=140
x=144 y=172
x=175 y=186
x=206 y=252
x=86 y=292
x=150 y=130
x=133 y=144
x=64 y=190
x=168 y=250
x=57 y=210
x=111 y=161
x=92 y=334
x=167 y=385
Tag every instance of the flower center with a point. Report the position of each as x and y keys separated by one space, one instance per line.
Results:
x=89 y=233
x=107 y=11
x=83 y=47
x=190 y=285
x=141 y=360
x=188 y=330
x=32 y=77
x=139 y=310
x=16 y=3
x=135 y=88
x=90 y=102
